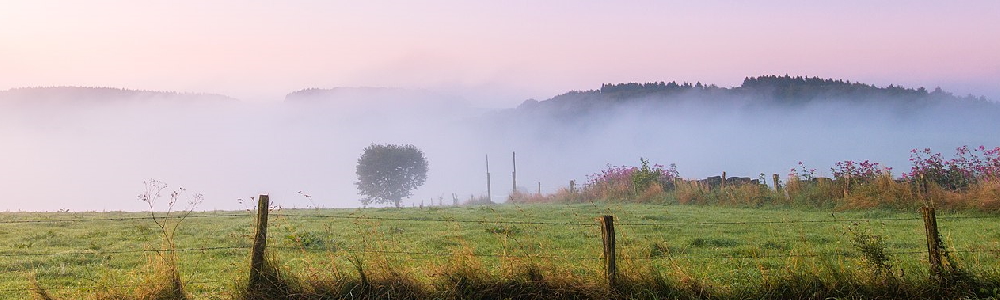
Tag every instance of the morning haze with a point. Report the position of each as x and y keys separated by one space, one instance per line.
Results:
x=96 y=146
x=283 y=98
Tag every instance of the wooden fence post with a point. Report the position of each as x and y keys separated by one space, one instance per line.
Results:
x=933 y=242
x=489 y=186
x=777 y=183
x=513 y=174
x=259 y=242
x=572 y=186
x=608 y=235
x=723 y=184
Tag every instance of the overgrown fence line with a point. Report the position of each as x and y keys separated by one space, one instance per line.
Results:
x=608 y=238
x=611 y=232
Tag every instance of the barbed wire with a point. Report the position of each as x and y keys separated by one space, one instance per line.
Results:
x=429 y=253
x=32 y=289
x=766 y=222
x=94 y=252
x=452 y=220
x=115 y=219
x=767 y=256
x=439 y=254
x=436 y=220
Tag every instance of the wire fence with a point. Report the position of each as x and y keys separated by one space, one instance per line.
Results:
x=10 y=220
x=631 y=226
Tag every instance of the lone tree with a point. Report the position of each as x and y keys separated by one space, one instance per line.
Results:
x=389 y=173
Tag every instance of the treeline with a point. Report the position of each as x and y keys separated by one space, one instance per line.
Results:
x=806 y=88
x=765 y=89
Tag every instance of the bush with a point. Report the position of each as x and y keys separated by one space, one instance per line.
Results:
x=631 y=183
x=968 y=167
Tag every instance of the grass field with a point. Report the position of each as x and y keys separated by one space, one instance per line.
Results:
x=724 y=251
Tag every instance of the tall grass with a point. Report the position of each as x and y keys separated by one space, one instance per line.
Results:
x=872 y=191
x=970 y=180
x=465 y=276
x=672 y=262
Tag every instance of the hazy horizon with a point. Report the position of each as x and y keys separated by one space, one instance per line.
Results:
x=98 y=154
x=454 y=63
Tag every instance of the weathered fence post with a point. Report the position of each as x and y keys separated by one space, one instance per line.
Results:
x=608 y=235
x=572 y=186
x=933 y=242
x=723 y=184
x=259 y=242
x=777 y=183
x=847 y=184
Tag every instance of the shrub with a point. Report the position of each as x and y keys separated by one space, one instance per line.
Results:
x=851 y=174
x=968 y=167
x=631 y=183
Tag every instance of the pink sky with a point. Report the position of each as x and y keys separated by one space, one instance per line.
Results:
x=498 y=52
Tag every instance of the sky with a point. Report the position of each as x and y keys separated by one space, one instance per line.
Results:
x=449 y=64
x=496 y=53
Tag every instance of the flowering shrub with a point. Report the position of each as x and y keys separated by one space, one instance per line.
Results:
x=968 y=167
x=858 y=172
x=629 y=182
x=805 y=174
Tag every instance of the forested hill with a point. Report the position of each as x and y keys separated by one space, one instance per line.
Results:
x=97 y=95
x=763 y=90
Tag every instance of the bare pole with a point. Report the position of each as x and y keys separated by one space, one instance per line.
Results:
x=489 y=187
x=513 y=159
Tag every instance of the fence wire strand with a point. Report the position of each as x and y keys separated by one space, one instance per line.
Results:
x=449 y=220
x=93 y=252
x=32 y=289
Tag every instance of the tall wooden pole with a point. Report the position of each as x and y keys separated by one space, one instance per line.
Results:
x=489 y=187
x=513 y=159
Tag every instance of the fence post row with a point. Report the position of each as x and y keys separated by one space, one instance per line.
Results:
x=608 y=235
x=259 y=242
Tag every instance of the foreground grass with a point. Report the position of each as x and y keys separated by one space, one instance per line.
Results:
x=696 y=251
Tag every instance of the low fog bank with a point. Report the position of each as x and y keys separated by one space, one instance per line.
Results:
x=743 y=136
x=58 y=154
x=303 y=151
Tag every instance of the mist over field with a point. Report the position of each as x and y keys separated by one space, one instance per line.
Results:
x=93 y=153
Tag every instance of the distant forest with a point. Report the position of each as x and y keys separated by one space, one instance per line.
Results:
x=769 y=89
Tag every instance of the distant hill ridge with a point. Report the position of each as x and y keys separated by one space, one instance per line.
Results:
x=97 y=94
x=768 y=89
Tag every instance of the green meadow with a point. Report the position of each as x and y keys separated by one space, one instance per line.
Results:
x=664 y=251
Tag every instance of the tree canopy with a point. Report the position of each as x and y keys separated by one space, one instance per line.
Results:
x=388 y=173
